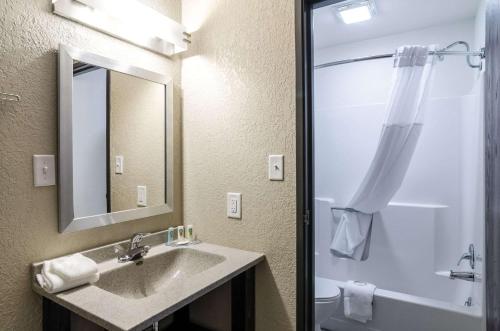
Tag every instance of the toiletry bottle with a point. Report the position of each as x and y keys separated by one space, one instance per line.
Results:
x=180 y=233
x=189 y=232
x=170 y=235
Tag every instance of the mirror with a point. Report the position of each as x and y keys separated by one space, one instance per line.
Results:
x=115 y=137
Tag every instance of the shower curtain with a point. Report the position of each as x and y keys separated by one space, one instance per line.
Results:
x=400 y=132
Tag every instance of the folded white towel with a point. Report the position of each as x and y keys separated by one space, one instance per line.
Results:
x=67 y=272
x=74 y=267
x=352 y=235
x=358 y=301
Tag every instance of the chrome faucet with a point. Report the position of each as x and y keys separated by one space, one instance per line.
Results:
x=470 y=255
x=135 y=251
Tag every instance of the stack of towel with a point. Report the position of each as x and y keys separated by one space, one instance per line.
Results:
x=67 y=272
x=358 y=301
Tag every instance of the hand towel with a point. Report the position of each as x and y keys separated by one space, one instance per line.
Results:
x=352 y=235
x=67 y=272
x=74 y=267
x=358 y=301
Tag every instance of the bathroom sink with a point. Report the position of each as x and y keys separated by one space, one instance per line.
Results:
x=143 y=278
x=130 y=296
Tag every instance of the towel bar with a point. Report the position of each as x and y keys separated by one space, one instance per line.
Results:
x=346 y=209
x=9 y=97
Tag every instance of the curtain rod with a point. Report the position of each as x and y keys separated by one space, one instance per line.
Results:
x=440 y=53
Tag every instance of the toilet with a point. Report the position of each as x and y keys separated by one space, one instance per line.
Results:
x=327 y=298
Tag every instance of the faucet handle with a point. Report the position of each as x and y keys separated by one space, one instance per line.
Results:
x=465 y=256
x=137 y=238
x=470 y=255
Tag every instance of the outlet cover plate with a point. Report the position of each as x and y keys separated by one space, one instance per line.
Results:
x=44 y=170
x=234 y=205
x=276 y=167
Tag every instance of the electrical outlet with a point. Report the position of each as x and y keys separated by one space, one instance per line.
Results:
x=119 y=164
x=234 y=205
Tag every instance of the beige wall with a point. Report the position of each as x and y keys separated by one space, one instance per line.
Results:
x=30 y=35
x=137 y=132
x=239 y=106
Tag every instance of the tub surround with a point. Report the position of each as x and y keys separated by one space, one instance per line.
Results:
x=122 y=312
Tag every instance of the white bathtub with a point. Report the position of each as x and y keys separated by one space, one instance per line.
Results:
x=406 y=251
x=393 y=311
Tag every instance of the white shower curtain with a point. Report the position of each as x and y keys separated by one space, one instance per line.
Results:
x=400 y=132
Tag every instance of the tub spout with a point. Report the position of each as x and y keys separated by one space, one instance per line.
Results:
x=463 y=275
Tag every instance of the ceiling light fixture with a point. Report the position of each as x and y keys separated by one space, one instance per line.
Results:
x=129 y=20
x=354 y=11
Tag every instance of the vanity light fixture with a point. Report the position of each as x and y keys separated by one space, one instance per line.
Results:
x=354 y=11
x=128 y=20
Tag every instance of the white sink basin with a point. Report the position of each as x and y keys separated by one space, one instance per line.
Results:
x=136 y=280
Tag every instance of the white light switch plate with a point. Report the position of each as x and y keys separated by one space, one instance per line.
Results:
x=142 y=196
x=276 y=167
x=119 y=164
x=234 y=205
x=44 y=171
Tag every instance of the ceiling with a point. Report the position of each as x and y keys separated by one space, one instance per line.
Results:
x=393 y=16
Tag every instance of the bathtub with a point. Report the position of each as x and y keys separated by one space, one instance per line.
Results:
x=394 y=311
x=408 y=249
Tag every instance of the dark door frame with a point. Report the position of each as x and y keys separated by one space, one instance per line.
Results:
x=305 y=157
x=492 y=164
x=305 y=228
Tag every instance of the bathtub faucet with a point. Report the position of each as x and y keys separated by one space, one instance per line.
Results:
x=463 y=275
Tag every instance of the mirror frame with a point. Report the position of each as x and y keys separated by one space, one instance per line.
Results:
x=67 y=222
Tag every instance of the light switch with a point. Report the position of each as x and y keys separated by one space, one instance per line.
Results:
x=44 y=172
x=119 y=164
x=234 y=205
x=142 y=196
x=276 y=167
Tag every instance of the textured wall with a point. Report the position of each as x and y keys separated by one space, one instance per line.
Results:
x=137 y=132
x=239 y=106
x=30 y=36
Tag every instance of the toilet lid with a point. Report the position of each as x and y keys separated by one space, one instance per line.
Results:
x=325 y=289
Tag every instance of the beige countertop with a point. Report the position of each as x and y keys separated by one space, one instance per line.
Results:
x=115 y=312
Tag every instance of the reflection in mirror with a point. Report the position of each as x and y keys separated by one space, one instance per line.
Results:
x=119 y=141
x=137 y=136
x=115 y=136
